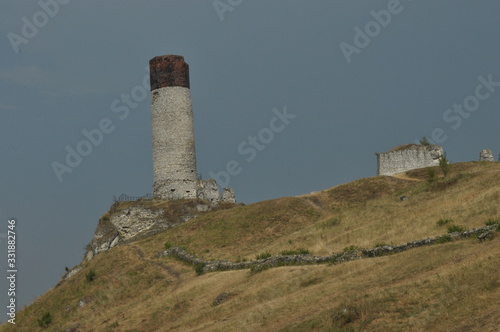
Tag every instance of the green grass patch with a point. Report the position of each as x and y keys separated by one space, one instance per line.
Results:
x=492 y=222
x=300 y=251
x=444 y=239
x=45 y=321
x=263 y=255
x=443 y=221
x=351 y=248
x=455 y=228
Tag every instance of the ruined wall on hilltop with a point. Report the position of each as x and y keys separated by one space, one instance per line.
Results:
x=408 y=157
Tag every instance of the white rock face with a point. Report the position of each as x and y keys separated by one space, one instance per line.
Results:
x=135 y=220
x=138 y=221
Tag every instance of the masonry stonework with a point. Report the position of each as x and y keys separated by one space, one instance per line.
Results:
x=174 y=157
x=208 y=190
x=408 y=157
x=486 y=155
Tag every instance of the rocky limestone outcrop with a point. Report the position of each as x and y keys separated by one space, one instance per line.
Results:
x=134 y=220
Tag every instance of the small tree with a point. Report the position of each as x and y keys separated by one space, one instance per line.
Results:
x=90 y=276
x=424 y=141
x=445 y=165
x=431 y=175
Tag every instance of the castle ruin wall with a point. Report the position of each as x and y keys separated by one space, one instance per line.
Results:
x=408 y=158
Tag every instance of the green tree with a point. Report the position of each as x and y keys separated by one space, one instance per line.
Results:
x=445 y=165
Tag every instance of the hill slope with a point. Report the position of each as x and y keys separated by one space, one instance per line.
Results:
x=452 y=286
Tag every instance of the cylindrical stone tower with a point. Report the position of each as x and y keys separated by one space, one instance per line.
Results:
x=174 y=159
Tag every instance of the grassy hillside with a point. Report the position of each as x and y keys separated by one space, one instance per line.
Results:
x=453 y=286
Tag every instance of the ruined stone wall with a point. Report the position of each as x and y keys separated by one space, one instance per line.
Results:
x=174 y=158
x=228 y=196
x=486 y=155
x=406 y=158
x=280 y=260
x=208 y=190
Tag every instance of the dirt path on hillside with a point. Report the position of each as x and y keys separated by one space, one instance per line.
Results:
x=403 y=176
x=170 y=271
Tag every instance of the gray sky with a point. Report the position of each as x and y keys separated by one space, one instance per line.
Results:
x=357 y=82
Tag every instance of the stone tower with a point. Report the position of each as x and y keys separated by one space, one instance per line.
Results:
x=174 y=158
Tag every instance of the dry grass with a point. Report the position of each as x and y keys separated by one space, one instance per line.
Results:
x=406 y=146
x=446 y=287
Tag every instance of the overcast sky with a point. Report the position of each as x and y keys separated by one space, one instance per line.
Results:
x=348 y=79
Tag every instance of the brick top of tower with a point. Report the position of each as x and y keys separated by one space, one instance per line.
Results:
x=168 y=70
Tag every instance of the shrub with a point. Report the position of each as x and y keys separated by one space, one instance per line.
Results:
x=445 y=165
x=443 y=239
x=263 y=255
x=88 y=247
x=90 y=276
x=424 y=141
x=381 y=245
x=492 y=222
x=168 y=245
x=198 y=268
x=443 y=221
x=455 y=228
x=45 y=321
x=299 y=251
x=351 y=248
